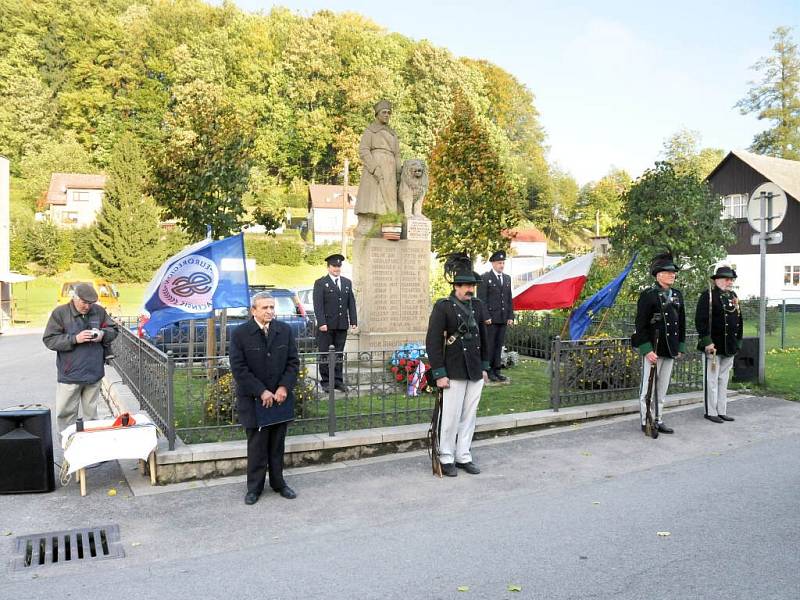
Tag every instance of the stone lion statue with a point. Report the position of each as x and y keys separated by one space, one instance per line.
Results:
x=413 y=186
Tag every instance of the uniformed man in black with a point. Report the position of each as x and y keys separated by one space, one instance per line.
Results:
x=660 y=335
x=495 y=293
x=335 y=310
x=718 y=320
x=456 y=347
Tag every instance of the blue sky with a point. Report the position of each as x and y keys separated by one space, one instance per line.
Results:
x=612 y=79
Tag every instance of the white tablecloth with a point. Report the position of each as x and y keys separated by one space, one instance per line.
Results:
x=84 y=448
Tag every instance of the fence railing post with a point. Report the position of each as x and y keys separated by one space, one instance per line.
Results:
x=555 y=374
x=331 y=390
x=170 y=402
x=783 y=323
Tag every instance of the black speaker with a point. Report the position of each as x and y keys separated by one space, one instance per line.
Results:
x=26 y=448
x=745 y=363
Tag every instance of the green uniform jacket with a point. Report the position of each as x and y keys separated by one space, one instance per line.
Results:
x=669 y=321
x=726 y=322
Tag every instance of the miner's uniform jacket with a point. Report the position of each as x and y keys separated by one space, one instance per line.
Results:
x=456 y=339
x=660 y=310
x=726 y=325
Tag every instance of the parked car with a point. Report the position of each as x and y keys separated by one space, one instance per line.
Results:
x=306 y=296
x=107 y=293
x=175 y=337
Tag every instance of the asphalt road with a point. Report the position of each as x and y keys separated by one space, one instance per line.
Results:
x=566 y=513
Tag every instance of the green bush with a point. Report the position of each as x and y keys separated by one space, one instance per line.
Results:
x=51 y=248
x=268 y=251
x=315 y=255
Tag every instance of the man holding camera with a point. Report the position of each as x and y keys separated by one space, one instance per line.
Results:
x=77 y=331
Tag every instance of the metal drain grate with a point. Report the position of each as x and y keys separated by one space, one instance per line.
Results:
x=62 y=547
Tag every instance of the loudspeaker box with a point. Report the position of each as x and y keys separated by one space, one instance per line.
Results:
x=26 y=448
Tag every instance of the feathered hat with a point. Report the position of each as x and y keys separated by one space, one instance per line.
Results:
x=662 y=262
x=458 y=269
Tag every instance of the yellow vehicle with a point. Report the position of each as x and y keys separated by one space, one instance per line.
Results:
x=107 y=293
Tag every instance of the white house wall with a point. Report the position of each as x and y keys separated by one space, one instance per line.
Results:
x=748 y=269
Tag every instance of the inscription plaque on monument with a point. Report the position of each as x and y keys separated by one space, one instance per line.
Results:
x=418 y=228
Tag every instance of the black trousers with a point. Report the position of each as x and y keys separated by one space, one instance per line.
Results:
x=495 y=337
x=265 y=449
x=337 y=338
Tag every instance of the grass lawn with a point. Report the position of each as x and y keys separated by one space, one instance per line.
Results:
x=782 y=374
x=36 y=299
x=791 y=333
x=529 y=390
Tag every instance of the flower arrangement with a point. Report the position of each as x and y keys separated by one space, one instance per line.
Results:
x=407 y=368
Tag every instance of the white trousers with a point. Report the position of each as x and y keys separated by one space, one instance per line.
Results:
x=459 y=409
x=664 y=372
x=69 y=395
x=718 y=369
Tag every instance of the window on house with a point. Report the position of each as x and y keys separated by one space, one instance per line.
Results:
x=734 y=206
x=791 y=276
x=80 y=196
x=70 y=217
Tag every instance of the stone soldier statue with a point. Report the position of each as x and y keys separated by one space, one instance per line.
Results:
x=660 y=335
x=456 y=347
x=335 y=310
x=379 y=151
x=718 y=320
x=495 y=292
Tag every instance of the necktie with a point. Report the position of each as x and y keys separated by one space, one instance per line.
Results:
x=338 y=285
x=266 y=330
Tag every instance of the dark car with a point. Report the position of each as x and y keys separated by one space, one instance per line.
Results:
x=174 y=338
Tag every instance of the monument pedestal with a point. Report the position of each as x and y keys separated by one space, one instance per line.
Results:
x=391 y=280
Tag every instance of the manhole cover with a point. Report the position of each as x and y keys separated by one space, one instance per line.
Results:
x=71 y=546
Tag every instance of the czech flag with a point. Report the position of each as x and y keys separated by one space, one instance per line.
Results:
x=558 y=288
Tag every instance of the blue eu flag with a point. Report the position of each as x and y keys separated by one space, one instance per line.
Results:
x=198 y=280
x=582 y=316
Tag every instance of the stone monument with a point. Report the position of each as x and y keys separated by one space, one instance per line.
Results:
x=390 y=278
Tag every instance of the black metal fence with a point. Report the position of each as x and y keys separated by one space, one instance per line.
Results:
x=607 y=369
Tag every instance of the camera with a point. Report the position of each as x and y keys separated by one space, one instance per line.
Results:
x=95 y=334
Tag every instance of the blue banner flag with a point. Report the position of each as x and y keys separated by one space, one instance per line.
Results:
x=582 y=316
x=199 y=279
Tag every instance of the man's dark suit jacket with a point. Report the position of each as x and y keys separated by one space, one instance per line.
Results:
x=259 y=363
x=332 y=307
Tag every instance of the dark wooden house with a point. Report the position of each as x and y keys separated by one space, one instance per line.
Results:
x=734 y=179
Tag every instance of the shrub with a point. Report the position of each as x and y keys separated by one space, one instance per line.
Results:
x=220 y=399
x=49 y=247
x=269 y=251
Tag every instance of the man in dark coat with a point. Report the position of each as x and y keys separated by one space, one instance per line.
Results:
x=495 y=293
x=456 y=347
x=661 y=316
x=264 y=363
x=718 y=320
x=335 y=309
x=78 y=331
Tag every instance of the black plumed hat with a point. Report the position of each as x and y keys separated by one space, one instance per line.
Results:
x=458 y=269
x=662 y=262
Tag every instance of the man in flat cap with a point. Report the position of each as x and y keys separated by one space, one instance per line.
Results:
x=718 y=320
x=660 y=335
x=77 y=331
x=456 y=347
x=335 y=309
x=495 y=293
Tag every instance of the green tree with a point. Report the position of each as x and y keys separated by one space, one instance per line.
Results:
x=471 y=199
x=126 y=239
x=664 y=209
x=682 y=149
x=776 y=98
x=601 y=201
x=202 y=171
x=64 y=155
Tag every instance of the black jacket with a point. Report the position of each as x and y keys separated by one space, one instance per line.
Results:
x=726 y=322
x=496 y=297
x=456 y=340
x=670 y=321
x=332 y=307
x=78 y=363
x=259 y=363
